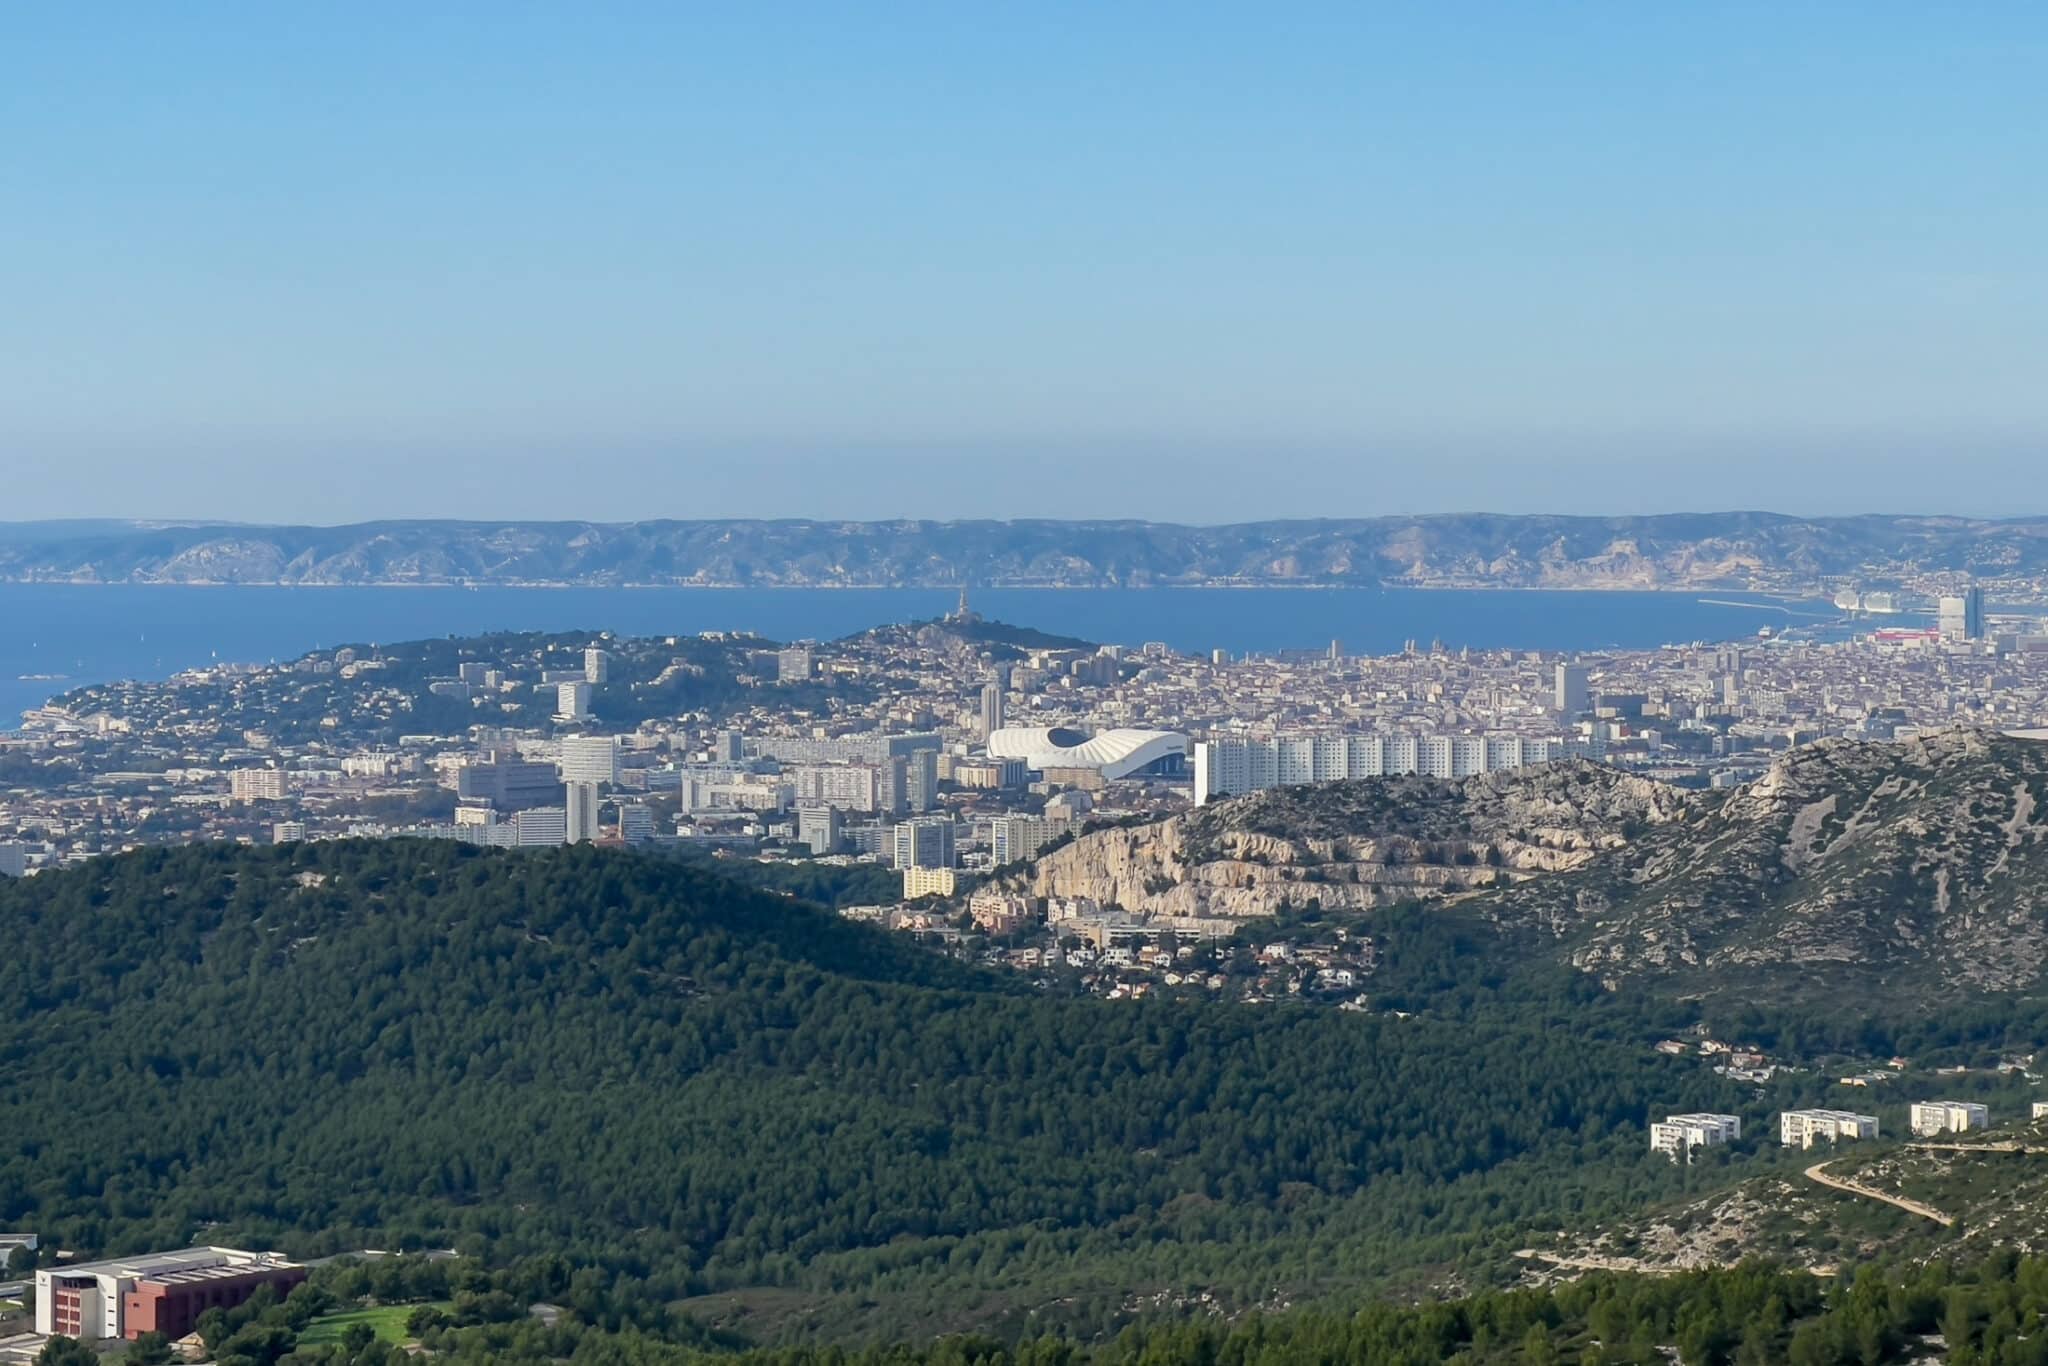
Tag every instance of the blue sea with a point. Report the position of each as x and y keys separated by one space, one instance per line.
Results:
x=73 y=635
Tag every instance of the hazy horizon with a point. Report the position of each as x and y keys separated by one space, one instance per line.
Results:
x=302 y=266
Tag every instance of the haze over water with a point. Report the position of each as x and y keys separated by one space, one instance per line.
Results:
x=95 y=634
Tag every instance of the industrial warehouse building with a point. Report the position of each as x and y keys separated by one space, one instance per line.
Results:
x=163 y=1292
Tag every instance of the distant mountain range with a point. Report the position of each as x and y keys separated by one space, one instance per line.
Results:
x=1739 y=550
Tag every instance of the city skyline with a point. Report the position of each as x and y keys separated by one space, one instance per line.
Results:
x=320 y=268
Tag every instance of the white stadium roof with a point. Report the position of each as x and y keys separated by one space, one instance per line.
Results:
x=1118 y=753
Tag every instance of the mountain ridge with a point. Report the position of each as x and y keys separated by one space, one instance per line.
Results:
x=1759 y=551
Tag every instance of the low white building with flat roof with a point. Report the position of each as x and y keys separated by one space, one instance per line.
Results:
x=1678 y=1135
x=1931 y=1117
x=1804 y=1128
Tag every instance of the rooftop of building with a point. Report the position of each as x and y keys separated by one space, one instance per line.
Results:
x=184 y=1265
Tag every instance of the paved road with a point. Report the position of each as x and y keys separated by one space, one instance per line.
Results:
x=1818 y=1173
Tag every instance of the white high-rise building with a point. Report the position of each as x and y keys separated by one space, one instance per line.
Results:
x=1962 y=618
x=257 y=785
x=597 y=665
x=991 y=708
x=579 y=821
x=1572 y=697
x=288 y=832
x=540 y=825
x=590 y=759
x=926 y=842
x=572 y=700
x=1228 y=768
x=1019 y=837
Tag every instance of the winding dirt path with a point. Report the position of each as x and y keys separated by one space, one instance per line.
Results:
x=1818 y=1173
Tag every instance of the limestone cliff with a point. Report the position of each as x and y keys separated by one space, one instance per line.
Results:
x=1358 y=844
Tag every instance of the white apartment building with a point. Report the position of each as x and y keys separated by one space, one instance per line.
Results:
x=1229 y=768
x=919 y=882
x=540 y=825
x=257 y=785
x=1678 y=1135
x=572 y=700
x=1804 y=1128
x=1931 y=1117
x=1019 y=837
x=579 y=819
x=597 y=665
x=590 y=759
x=287 y=832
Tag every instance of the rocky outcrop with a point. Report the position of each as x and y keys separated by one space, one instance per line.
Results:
x=1358 y=845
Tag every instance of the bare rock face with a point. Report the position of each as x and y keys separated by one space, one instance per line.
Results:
x=1922 y=864
x=1358 y=845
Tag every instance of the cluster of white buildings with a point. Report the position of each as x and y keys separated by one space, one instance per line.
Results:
x=1804 y=1128
x=1230 y=768
x=1678 y=1135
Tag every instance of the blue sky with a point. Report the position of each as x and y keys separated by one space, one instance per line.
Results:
x=1195 y=262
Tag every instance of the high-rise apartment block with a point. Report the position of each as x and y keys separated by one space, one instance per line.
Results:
x=1962 y=617
x=817 y=827
x=590 y=759
x=991 y=708
x=572 y=700
x=1572 y=695
x=597 y=665
x=257 y=785
x=1229 y=768
x=579 y=821
x=926 y=842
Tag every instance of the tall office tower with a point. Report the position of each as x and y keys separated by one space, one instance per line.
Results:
x=1962 y=618
x=581 y=817
x=892 y=786
x=921 y=774
x=926 y=842
x=991 y=708
x=730 y=749
x=793 y=665
x=1336 y=651
x=817 y=826
x=1219 y=657
x=1572 y=697
x=590 y=759
x=597 y=665
x=572 y=700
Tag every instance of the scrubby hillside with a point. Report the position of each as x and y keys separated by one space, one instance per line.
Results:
x=1906 y=868
x=635 y=1064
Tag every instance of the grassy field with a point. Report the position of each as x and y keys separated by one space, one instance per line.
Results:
x=387 y=1320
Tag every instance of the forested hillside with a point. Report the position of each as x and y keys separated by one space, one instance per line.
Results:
x=637 y=1065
